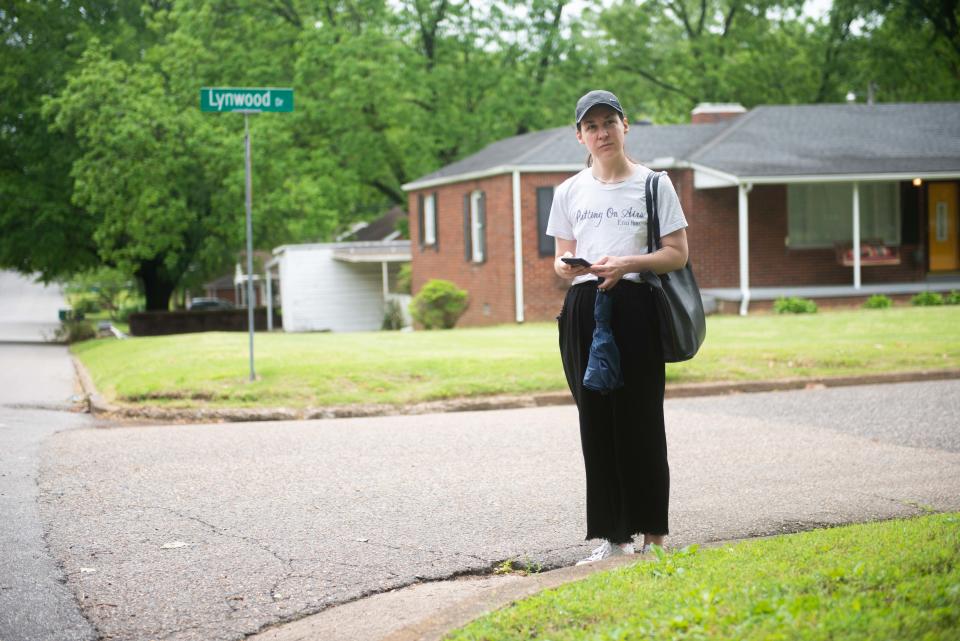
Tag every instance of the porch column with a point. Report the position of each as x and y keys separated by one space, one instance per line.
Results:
x=744 y=190
x=386 y=280
x=517 y=248
x=267 y=273
x=856 y=235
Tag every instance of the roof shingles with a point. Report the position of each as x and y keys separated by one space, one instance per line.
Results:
x=782 y=140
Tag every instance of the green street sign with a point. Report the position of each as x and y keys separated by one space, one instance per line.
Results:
x=245 y=99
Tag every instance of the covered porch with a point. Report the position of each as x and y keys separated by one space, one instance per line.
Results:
x=860 y=222
x=730 y=299
x=831 y=199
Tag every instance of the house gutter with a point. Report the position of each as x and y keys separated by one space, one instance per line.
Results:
x=488 y=173
x=732 y=180
x=656 y=163
x=517 y=247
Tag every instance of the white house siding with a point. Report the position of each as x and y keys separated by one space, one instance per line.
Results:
x=320 y=293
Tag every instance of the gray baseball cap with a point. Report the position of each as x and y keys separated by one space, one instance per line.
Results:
x=594 y=98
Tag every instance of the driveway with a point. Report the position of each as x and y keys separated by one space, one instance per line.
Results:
x=216 y=531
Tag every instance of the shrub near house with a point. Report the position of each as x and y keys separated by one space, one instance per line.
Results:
x=439 y=304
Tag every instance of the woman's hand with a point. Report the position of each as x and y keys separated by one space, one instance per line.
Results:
x=611 y=269
x=568 y=271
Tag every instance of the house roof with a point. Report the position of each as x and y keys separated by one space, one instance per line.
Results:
x=383 y=228
x=837 y=139
x=769 y=141
x=343 y=248
x=557 y=149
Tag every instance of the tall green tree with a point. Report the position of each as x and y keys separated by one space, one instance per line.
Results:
x=896 y=50
x=670 y=55
x=43 y=230
x=148 y=171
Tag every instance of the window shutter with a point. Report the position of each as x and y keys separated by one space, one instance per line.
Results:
x=467 y=237
x=420 y=220
x=436 y=222
x=545 y=244
x=482 y=225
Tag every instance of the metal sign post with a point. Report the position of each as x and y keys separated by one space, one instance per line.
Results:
x=247 y=101
x=249 y=199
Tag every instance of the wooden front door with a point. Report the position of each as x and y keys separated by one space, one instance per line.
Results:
x=943 y=219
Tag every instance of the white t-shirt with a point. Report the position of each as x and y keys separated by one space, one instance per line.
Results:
x=611 y=220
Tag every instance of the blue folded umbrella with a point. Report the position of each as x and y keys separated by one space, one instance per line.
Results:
x=603 y=367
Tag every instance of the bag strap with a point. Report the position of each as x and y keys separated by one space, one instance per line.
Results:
x=651 y=186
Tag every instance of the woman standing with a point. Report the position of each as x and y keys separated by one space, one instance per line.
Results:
x=599 y=215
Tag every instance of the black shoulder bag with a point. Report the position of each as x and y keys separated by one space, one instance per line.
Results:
x=683 y=325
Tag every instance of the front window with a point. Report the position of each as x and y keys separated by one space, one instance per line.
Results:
x=545 y=243
x=821 y=215
x=430 y=219
x=478 y=225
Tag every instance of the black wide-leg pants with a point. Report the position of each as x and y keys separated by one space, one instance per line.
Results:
x=621 y=432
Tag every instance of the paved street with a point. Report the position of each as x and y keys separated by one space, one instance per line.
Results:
x=215 y=531
x=29 y=311
x=36 y=385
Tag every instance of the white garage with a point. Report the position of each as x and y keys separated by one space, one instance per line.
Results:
x=339 y=287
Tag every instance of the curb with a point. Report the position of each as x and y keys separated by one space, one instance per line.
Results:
x=428 y=611
x=96 y=404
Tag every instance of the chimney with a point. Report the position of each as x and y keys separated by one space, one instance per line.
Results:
x=707 y=112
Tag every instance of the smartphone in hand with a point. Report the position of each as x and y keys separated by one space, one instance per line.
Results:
x=577 y=262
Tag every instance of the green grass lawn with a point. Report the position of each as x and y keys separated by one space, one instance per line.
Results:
x=316 y=370
x=896 y=580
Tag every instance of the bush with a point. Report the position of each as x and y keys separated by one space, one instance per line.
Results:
x=102 y=289
x=878 y=301
x=74 y=331
x=123 y=314
x=85 y=306
x=392 y=315
x=794 y=305
x=953 y=298
x=404 y=277
x=927 y=299
x=439 y=304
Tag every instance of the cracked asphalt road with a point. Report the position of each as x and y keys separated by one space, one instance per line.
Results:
x=216 y=531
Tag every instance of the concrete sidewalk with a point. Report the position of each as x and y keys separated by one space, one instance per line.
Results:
x=427 y=611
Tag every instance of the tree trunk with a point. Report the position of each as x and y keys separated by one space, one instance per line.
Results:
x=157 y=287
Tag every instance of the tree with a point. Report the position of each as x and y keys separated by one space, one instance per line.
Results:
x=43 y=230
x=896 y=50
x=147 y=174
x=673 y=54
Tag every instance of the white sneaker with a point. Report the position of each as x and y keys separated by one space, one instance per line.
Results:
x=606 y=550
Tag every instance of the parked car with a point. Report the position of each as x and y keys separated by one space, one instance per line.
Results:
x=209 y=303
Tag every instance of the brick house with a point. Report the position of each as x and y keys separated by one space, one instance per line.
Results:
x=833 y=202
